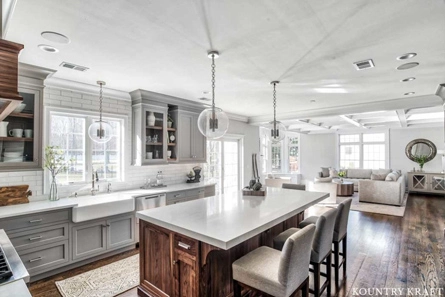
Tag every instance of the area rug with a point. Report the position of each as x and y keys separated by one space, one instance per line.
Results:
x=106 y=281
x=390 y=210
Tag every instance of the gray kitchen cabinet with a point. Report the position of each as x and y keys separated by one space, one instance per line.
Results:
x=89 y=239
x=44 y=258
x=188 y=195
x=120 y=231
x=191 y=143
x=96 y=237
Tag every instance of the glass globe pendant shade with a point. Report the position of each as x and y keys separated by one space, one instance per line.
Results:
x=100 y=131
x=213 y=123
x=277 y=131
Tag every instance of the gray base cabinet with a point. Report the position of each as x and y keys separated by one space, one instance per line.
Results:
x=96 y=237
x=188 y=195
x=49 y=240
x=89 y=239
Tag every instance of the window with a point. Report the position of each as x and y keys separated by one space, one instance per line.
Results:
x=293 y=154
x=69 y=132
x=281 y=157
x=363 y=150
x=276 y=157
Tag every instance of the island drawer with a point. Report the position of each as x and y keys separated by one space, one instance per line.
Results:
x=186 y=244
x=34 y=220
x=45 y=257
x=37 y=237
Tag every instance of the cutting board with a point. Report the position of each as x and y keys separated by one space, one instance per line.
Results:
x=14 y=195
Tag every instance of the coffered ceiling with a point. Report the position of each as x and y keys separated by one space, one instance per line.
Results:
x=310 y=46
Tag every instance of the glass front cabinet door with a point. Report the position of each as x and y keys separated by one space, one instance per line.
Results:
x=20 y=133
x=155 y=133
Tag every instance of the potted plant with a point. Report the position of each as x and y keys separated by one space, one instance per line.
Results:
x=342 y=174
x=169 y=121
x=55 y=162
x=421 y=160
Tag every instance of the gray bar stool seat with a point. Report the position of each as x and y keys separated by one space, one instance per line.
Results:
x=339 y=236
x=280 y=274
x=321 y=249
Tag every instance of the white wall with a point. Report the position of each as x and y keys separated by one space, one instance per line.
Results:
x=317 y=150
x=251 y=145
x=399 y=138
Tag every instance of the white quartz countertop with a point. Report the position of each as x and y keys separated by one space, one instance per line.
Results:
x=227 y=220
x=46 y=205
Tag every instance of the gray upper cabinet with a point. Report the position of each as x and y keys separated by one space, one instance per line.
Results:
x=180 y=143
x=191 y=143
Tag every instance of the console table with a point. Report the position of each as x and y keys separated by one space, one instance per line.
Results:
x=426 y=182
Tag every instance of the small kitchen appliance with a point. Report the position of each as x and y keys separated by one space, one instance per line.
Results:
x=197 y=175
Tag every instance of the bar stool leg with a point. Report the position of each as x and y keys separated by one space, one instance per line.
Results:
x=336 y=264
x=316 y=279
x=236 y=289
x=305 y=289
x=329 y=273
x=344 y=241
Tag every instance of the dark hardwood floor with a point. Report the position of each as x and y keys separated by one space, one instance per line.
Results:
x=383 y=252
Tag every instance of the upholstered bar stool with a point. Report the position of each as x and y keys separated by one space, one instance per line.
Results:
x=340 y=236
x=280 y=274
x=321 y=249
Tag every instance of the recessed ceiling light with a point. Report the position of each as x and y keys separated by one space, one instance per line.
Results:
x=55 y=37
x=48 y=48
x=205 y=92
x=409 y=93
x=407 y=56
x=407 y=66
x=313 y=101
x=204 y=99
x=408 y=79
x=331 y=90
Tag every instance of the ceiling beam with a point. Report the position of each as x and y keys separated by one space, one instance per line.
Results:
x=393 y=104
x=351 y=121
x=314 y=124
x=402 y=117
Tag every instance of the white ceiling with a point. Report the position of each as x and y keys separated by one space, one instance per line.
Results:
x=162 y=46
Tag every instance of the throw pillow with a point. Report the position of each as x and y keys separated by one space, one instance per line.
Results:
x=325 y=171
x=378 y=176
x=333 y=172
x=393 y=176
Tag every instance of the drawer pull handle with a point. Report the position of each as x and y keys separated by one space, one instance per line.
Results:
x=184 y=245
x=176 y=195
x=36 y=259
x=35 y=238
x=36 y=221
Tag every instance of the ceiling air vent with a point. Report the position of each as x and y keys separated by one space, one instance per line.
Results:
x=74 y=66
x=365 y=64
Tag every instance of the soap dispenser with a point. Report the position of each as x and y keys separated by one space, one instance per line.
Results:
x=159 y=178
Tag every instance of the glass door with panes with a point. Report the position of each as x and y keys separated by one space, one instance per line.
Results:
x=223 y=164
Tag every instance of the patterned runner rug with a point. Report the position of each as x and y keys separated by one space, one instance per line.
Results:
x=106 y=281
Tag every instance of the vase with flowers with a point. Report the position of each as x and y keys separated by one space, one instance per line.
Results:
x=421 y=160
x=55 y=162
x=341 y=174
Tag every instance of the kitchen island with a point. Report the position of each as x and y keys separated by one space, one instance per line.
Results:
x=188 y=249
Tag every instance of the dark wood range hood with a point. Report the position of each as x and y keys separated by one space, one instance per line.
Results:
x=9 y=60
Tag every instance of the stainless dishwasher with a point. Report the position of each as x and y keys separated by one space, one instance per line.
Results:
x=146 y=202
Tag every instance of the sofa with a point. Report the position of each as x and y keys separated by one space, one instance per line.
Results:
x=352 y=175
x=382 y=192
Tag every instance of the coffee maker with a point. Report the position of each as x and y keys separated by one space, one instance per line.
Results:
x=195 y=178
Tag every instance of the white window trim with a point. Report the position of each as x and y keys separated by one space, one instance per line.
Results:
x=88 y=115
x=284 y=154
x=361 y=143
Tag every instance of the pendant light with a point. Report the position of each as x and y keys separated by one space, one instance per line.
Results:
x=100 y=131
x=277 y=129
x=213 y=121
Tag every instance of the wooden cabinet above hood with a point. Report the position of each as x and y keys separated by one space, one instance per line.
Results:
x=9 y=59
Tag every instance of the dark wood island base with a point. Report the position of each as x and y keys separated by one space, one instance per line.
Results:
x=172 y=264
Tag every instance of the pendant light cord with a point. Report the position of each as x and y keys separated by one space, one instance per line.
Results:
x=274 y=103
x=213 y=83
x=100 y=103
